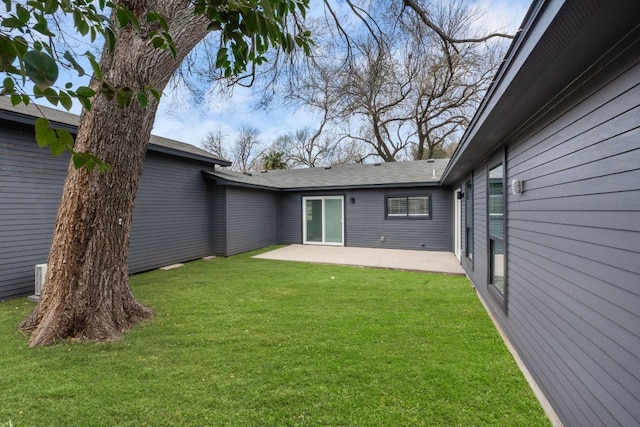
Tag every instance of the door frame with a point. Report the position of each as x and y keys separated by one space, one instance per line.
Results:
x=304 y=220
x=457 y=226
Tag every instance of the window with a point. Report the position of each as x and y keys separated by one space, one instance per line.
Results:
x=416 y=207
x=468 y=220
x=495 y=208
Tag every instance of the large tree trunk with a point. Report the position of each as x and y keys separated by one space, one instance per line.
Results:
x=87 y=293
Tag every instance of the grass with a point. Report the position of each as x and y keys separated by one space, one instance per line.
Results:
x=248 y=342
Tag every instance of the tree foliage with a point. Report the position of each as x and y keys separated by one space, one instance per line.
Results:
x=273 y=160
x=33 y=51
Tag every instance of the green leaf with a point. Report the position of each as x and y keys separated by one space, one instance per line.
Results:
x=50 y=6
x=222 y=60
x=97 y=72
x=154 y=16
x=63 y=142
x=109 y=39
x=65 y=100
x=79 y=22
x=79 y=160
x=125 y=17
x=41 y=69
x=15 y=99
x=86 y=102
x=142 y=99
x=44 y=134
x=108 y=90
x=11 y=22
x=214 y=26
x=20 y=45
x=69 y=57
x=89 y=162
x=154 y=92
x=8 y=86
x=123 y=96
x=157 y=42
x=23 y=14
x=85 y=91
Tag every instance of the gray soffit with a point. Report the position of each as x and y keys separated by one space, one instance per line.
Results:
x=557 y=42
x=394 y=174
x=27 y=114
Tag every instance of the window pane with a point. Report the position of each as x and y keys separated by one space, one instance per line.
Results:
x=418 y=206
x=497 y=265
x=496 y=202
x=314 y=220
x=397 y=206
x=333 y=220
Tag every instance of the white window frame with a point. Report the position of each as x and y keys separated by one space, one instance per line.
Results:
x=324 y=229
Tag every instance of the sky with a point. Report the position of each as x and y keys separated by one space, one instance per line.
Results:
x=189 y=123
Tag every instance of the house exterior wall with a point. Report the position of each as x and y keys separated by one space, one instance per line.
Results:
x=250 y=218
x=172 y=214
x=31 y=183
x=573 y=248
x=171 y=218
x=365 y=220
x=219 y=219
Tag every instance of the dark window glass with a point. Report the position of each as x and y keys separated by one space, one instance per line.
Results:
x=409 y=207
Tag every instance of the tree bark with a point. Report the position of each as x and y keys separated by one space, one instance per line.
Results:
x=87 y=293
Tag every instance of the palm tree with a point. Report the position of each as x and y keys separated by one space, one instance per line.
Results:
x=274 y=160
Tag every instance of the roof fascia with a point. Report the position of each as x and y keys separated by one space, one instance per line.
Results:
x=539 y=16
x=185 y=154
x=27 y=119
x=364 y=186
x=224 y=181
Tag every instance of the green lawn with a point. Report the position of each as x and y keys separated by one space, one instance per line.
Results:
x=247 y=342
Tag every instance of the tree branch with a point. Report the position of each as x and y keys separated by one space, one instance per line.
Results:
x=424 y=17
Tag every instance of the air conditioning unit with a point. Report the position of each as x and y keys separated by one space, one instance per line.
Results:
x=41 y=274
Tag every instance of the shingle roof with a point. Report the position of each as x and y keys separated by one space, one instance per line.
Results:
x=28 y=113
x=396 y=174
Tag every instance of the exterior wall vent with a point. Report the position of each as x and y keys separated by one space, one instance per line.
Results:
x=41 y=274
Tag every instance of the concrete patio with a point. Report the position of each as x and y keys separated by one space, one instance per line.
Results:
x=427 y=261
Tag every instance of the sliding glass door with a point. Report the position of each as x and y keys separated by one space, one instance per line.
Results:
x=323 y=220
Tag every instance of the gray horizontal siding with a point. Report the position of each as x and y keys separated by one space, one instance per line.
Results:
x=366 y=222
x=290 y=222
x=573 y=249
x=251 y=219
x=31 y=183
x=172 y=214
x=171 y=219
x=219 y=220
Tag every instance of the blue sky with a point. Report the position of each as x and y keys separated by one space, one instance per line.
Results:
x=190 y=124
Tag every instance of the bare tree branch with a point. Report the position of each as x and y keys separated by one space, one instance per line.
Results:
x=424 y=17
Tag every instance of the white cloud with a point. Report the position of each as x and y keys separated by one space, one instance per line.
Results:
x=190 y=123
x=501 y=15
